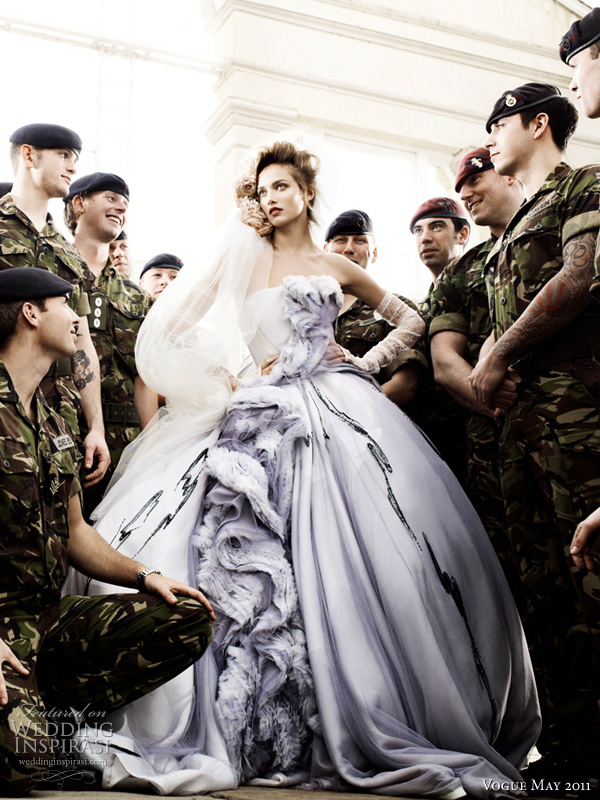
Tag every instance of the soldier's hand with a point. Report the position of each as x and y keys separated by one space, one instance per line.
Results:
x=95 y=446
x=585 y=547
x=7 y=655
x=487 y=377
x=507 y=393
x=168 y=588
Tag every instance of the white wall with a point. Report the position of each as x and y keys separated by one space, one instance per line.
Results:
x=389 y=93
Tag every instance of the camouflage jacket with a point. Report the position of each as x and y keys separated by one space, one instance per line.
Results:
x=358 y=331
x=38 y=476
x=118 y=308
x=459 y=300
x=21 y=245
x=530 y=251
x=424 y=306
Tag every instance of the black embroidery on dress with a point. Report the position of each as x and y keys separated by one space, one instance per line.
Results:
x=452 y=588
x=125 y=530
x=377 y=453
x=326 y=436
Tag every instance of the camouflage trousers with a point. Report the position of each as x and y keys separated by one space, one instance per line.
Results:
x=485 y=492
x=550 y=476
x=94 y=654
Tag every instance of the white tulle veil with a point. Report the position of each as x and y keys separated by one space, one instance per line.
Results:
x=193 y=340
x=192 y=343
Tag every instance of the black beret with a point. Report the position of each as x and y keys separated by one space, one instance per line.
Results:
x=443 y=207
x=162 y=261
x=98 y=182
x=580 y=35
x=121 y=236
x=475 y=161
x=31 y=283
x=349 y=223
x=520 y=99
x=5 y=188
x=47 y=137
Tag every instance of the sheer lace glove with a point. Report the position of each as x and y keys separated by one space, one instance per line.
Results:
x=408 y=329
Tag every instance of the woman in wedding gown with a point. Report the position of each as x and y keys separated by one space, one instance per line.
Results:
x=365 y=636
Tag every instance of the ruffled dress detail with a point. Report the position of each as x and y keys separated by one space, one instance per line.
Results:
x=365 y=635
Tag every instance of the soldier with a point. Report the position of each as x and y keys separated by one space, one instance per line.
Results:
x=43 y=159
x=351 y=235
x=460 y=324
x=540 y=272
x=441 y=231
x=158 y=273
x=92 y=653
x=119 y=254
x=580 y=49
x=95 y=211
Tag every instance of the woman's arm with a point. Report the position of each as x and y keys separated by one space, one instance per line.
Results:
x=408 y=325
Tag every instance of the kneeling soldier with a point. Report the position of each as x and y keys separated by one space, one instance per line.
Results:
x=90 y=652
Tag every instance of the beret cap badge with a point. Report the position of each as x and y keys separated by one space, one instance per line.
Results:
x=582 y=33
x=510 y=100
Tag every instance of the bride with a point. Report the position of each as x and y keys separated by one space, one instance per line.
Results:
x=365 y=638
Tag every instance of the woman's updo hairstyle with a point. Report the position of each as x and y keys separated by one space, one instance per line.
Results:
x=305 y=168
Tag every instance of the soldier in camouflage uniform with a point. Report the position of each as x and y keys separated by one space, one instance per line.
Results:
x=95 y=210
x=351 y=235
x=44 y=158
x=545 y=326
x=460 y=324
x=93 y=654
x=441 y=230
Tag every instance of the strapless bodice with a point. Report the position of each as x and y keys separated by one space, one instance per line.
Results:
x=263 y=313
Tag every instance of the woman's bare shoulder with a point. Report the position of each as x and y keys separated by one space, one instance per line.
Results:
x=334 y=261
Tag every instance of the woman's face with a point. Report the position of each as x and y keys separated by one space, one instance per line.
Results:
x=280 y=197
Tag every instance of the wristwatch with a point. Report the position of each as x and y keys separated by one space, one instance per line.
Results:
x=141 y=578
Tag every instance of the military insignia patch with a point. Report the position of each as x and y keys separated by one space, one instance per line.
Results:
x=477 y=162
x=510 y=100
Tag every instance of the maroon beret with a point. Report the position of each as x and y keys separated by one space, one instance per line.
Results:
x=439 y=207
x=475 y=161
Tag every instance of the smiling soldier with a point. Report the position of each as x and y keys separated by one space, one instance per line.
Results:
x=460 y=324
x=95 y=213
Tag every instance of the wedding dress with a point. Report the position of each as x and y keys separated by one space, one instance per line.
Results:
x=365 y=634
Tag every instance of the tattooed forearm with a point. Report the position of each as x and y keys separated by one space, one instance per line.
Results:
x=556 y=304
x=82 y=373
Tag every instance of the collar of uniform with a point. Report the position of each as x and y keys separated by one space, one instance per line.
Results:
x=7 y=390
x=8 y=394
x=111 y=269
x=8 y=206
x=552 y=181
x=556 y=177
